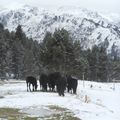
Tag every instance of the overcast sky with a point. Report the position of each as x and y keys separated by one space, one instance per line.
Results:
x=112 y=6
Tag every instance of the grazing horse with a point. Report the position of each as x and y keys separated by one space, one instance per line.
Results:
x=72 y=84
x=52 y=80
x=57 y=80
x=31 y=80
x=61 y=85
x=43 y=82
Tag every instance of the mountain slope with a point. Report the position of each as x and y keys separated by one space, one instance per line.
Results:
x=84 y=25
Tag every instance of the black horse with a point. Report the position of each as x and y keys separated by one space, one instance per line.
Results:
x=43 y=82
x=52 y=79
x=31 y=80
x=57 y=80
x=61 y=85
x=72 y=84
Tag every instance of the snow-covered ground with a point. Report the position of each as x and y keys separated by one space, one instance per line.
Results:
x=103 y=103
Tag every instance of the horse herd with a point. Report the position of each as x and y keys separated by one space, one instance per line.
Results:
x=53 y=82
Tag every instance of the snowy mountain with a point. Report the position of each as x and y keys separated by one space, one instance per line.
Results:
x=87 y=26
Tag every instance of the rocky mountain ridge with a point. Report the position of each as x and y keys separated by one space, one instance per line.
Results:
x=87 y=26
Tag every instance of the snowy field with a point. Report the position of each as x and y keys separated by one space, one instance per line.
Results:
x=100 y=102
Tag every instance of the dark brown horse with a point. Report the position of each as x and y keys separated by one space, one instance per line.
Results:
x=31 y=80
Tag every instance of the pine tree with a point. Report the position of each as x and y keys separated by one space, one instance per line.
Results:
x=102 y=65
x=114 y=69
x=80 y=62
x=3 y=52
x=18 y=52
x=93 y=63
x=19 y=34
x=2 y=58
x=57 y=50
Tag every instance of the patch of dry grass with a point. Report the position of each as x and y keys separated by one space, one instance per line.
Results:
x=61 y=114
x=57 y=108
x=14 y=114
x=10 y=113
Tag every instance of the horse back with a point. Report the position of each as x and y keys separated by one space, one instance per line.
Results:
x=31 y=79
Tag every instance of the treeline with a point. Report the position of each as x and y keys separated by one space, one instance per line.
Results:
x=21 y=56
x=17 y=54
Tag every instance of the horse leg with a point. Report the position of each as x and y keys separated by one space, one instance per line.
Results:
x=40 y=86
x=29 y=87
x=74 y=90
x=33 y=87
x=68 y=89
x=63 y=93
